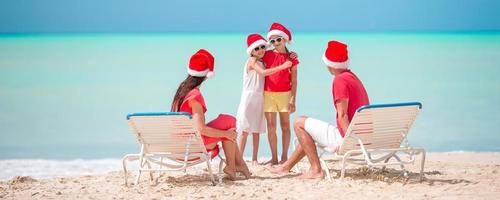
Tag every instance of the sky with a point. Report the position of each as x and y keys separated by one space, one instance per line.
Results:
x=40 y=16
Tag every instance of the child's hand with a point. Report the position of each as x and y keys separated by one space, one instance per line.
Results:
x=293 y=55
x=252 y=60
x=292 y=107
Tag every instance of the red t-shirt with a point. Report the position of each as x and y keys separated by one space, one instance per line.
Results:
x=194 y=94
x=347 y=86
x=280 y=81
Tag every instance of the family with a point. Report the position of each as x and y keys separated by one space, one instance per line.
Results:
x=269 y=90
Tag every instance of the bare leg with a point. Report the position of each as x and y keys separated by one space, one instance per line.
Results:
x=285 y=129
x=285 y=168
x=255 y=150
x=230 y=152
x=309 y=148
x=241 y=166
x=271 y=136
x=243 y=142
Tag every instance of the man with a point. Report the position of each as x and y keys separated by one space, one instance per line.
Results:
x=348 y=95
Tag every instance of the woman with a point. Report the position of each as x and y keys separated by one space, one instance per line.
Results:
x=250 y=118
x=188 y=98
x=280 y=90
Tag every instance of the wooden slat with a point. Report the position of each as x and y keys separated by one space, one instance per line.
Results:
x=166 y=134
x=380 y=127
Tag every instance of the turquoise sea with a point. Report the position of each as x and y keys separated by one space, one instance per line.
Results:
x=65 y=96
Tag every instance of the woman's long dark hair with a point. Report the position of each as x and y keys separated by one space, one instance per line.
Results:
x=187 y=85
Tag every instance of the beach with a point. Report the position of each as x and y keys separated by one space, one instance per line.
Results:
x=454 y=175
x=88 y=87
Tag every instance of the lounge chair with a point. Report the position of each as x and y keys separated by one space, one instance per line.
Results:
x=376 y=134
x=168 y=142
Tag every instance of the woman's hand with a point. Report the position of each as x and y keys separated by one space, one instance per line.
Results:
x=230 y=134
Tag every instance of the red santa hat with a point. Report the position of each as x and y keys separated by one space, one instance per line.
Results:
x=253 y=41
x=336 y=55
x=201 y=64
x=279 y=30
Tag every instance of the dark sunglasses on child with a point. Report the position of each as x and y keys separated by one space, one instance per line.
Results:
x=260 y=47
x=275 y=40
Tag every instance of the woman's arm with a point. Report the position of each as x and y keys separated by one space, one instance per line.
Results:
x=202 y=128
x=267 y=72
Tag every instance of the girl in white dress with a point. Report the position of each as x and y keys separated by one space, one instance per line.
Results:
x=250 y=117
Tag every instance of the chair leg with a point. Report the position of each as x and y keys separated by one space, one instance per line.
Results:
x=222 y=161
x=342 y=170
x=125 y=159
x=137 y=178
x=210 y=169
x=385 y=161
x=327 y=170
x=150 y=172
x=422 y=165
x=161 y=166
x=141 y=165
x=405 y=172
x=221 y=164
x=124 y=163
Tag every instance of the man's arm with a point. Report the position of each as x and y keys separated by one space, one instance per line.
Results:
x=341 y=105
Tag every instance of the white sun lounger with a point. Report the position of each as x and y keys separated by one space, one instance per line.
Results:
x=376 y=134
x=168 y=142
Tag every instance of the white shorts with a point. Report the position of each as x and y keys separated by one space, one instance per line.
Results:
x=323 y=134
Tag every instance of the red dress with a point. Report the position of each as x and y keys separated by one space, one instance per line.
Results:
x=222 y=122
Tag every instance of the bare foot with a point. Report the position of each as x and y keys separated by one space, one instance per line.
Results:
x=277 y=170
x=312 y=175
x=255 y=163
x=271 y=162
x=244 y=171
x=282 y=161
x=231 y=173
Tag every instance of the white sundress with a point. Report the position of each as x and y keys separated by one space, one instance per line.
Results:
x=250 y=117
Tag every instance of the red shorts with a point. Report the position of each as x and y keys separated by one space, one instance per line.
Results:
x=222 y=122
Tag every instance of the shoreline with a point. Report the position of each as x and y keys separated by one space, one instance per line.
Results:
x=448 y=175
x=68 y=168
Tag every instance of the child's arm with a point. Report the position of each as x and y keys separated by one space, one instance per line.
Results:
x=267 y=72
x=294 y=89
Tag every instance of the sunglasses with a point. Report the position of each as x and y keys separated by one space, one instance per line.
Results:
x=259 y=47
x=275 y=40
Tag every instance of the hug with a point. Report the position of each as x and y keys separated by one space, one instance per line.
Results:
x=270 y=90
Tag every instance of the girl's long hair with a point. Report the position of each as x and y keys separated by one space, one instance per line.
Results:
x=187 y=85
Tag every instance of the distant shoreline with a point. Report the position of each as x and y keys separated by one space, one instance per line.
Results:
x=187 y=33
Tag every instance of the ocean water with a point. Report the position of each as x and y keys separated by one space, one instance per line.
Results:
x=65 y=96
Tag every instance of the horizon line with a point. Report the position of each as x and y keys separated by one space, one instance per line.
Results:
x=243 y=32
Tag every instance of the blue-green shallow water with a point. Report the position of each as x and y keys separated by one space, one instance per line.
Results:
x=66 y=96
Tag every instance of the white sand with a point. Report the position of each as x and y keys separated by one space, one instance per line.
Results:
x=448 y=176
